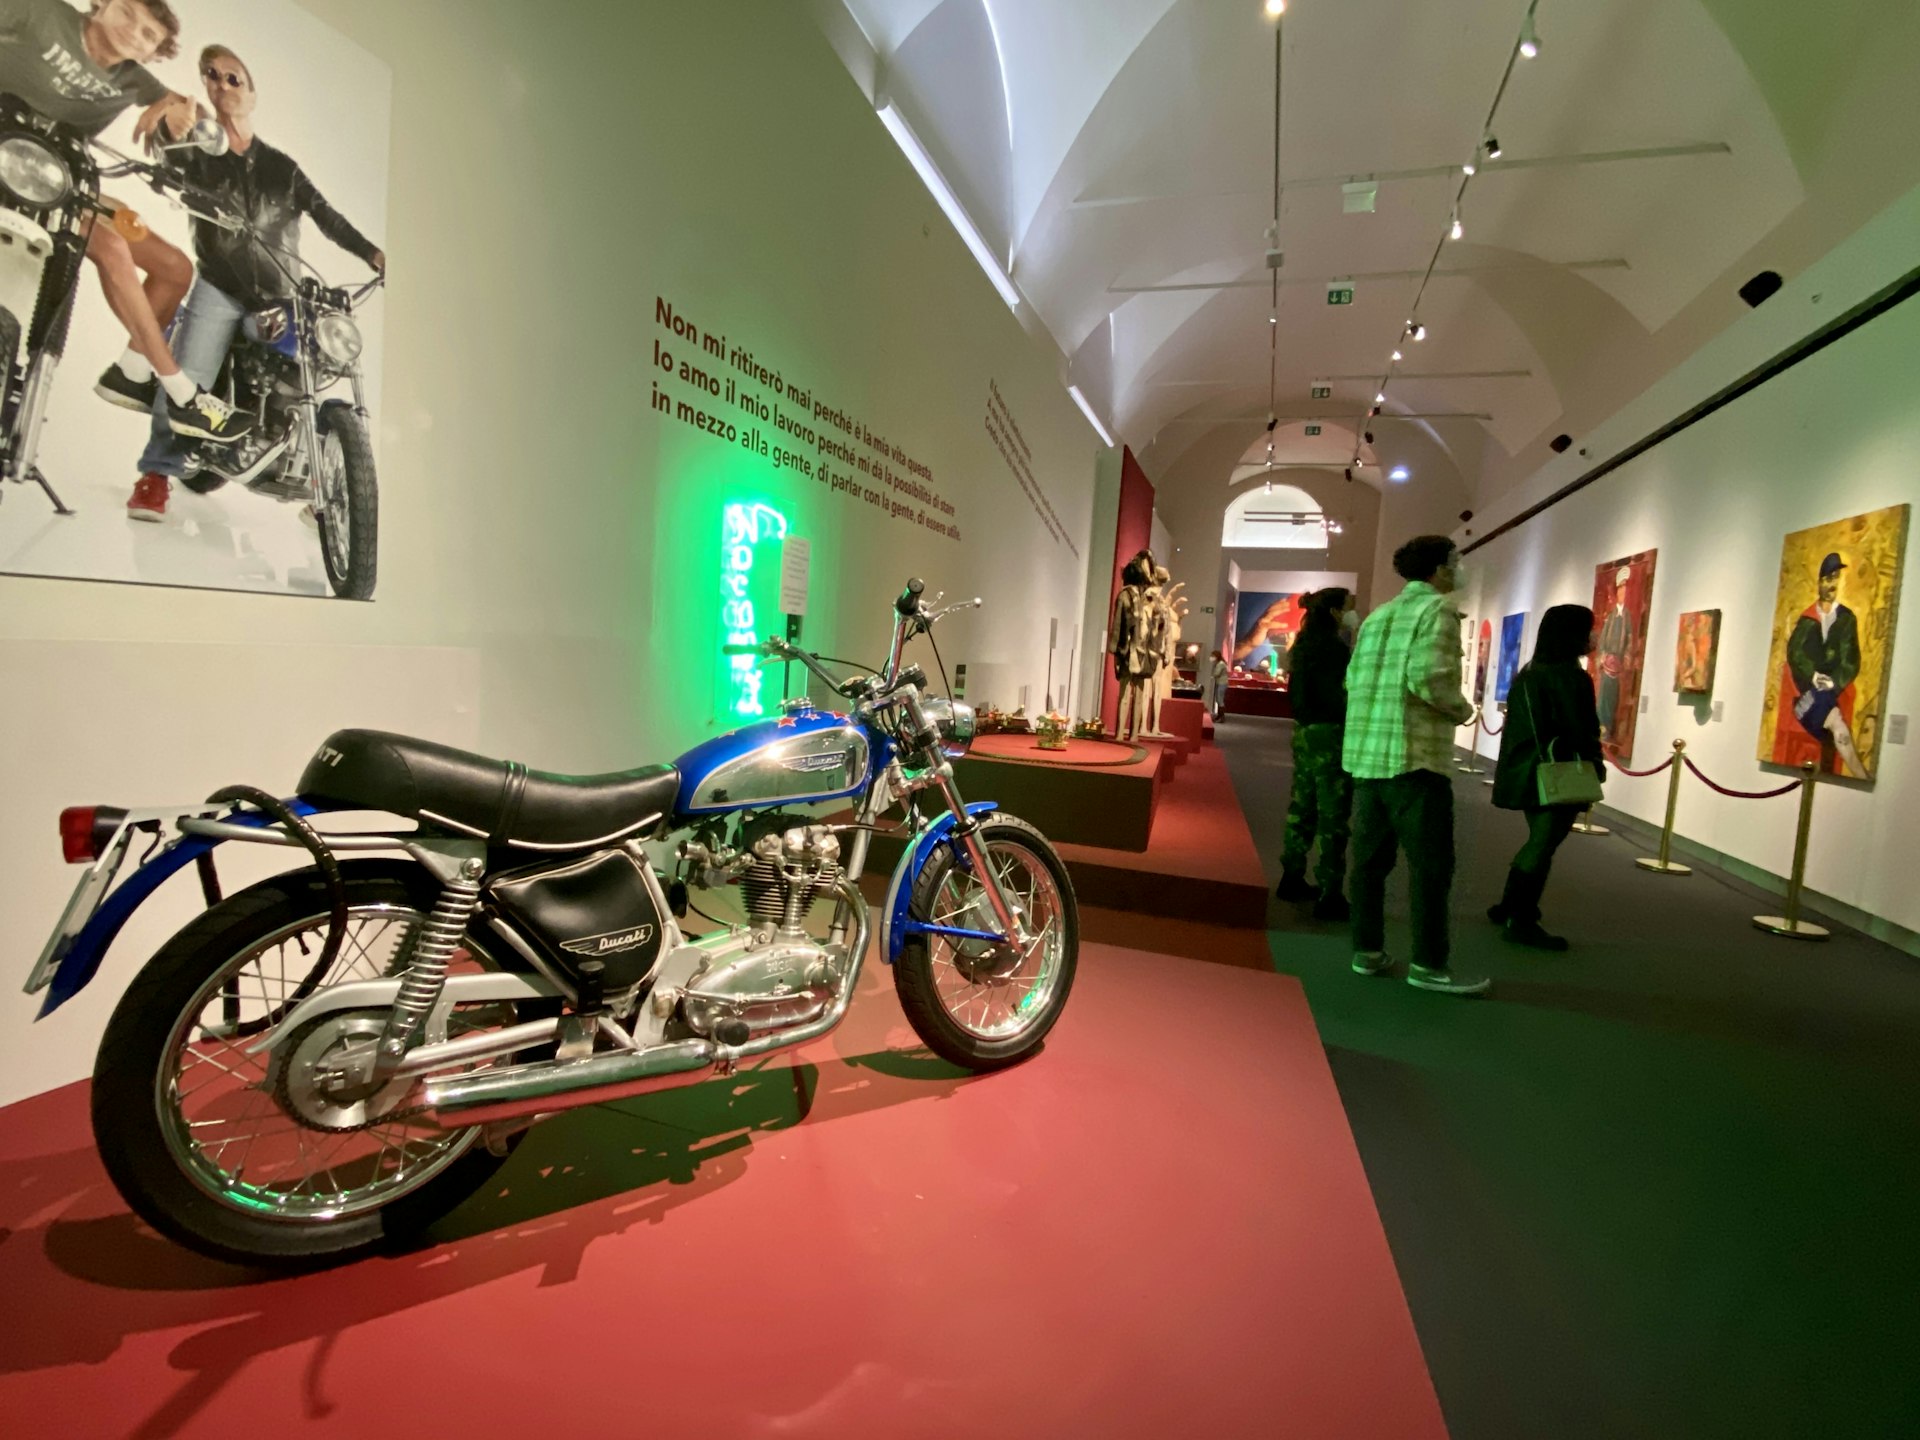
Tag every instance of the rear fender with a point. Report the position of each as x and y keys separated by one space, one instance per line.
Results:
x=894 y=928
x=72 y=957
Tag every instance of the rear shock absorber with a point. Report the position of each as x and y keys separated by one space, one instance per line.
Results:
x=426 y=976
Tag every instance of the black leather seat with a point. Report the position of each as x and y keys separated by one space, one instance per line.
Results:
x=499 y=799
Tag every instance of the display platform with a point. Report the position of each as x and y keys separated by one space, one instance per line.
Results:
x=1095 y=792
x=1268 y=700
x=1161 y=1222
x=1188 y=720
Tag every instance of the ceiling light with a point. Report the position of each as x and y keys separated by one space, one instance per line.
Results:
x=1087 y=410
x=1456 y=230
x=1529 y=38
x=1396 y=357
x=929 y=174
x=1469 y=168
x=1381 y=398
x=1399 y=472
x=1276 y=8
x=1492 y=148
x=1273 y=319
x=1419 y=332
x=1269 y=488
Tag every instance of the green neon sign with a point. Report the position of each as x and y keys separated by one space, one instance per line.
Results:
x=743 y=526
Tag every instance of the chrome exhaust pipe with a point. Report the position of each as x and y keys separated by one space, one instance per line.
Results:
x=490 y=1097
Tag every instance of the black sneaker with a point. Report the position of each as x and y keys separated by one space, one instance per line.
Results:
x=208 y=417
x=1529 y=934
x=1332 y=906
x=116 y=388
x=1295 y=887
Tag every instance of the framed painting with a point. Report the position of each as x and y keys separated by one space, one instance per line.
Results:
x=1826 y=692
x=1694 y=655
x=1482 y=656
x=1512 y=634
x=1622 y=601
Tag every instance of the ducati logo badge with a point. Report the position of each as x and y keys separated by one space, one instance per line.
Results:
x=611 y=943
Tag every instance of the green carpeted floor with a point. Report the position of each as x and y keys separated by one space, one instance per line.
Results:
x=1663 y=1185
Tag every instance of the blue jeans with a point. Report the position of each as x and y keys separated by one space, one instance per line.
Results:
x=202 y=334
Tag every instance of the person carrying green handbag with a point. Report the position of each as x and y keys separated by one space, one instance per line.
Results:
x=1551 y=720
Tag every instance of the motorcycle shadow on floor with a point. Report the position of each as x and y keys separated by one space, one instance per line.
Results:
x=580 y=1178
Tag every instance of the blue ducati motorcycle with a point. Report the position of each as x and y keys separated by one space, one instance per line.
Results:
x=341 y=1054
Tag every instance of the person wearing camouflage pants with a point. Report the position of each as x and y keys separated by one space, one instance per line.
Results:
x=1322 y=789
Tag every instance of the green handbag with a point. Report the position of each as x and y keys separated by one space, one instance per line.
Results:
x=1563 y=782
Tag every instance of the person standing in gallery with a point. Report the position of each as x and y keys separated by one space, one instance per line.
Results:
x=1550 y=716
x=1403 y=704
x=1213 y=683
x=1322 y=799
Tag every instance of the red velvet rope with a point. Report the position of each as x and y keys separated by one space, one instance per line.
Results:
x=1488 y=728
x=1643 y=774
x=1743 y=794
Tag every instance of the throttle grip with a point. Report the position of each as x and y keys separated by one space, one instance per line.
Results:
x=909 y=600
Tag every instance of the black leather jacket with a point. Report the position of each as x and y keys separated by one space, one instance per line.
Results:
x=268 y=189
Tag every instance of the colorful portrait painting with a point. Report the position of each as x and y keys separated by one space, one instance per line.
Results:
x=1513 y=631
x=1833 y=642
x=1622 y=601
x=1698 y=648
x=1482 y=657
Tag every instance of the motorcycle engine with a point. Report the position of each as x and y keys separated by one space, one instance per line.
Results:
x=771 y=974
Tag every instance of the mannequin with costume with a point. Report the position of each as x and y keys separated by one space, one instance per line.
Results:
x=1172 y=607
x=1134 y=642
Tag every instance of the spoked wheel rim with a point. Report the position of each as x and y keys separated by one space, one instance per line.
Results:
x=988 y=992
x=338 y=531
x=221 y=1110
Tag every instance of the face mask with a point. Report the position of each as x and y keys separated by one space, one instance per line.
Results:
x=1350 y=624
x=1460 y=575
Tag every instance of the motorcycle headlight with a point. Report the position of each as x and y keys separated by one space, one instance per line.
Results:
x=32 y=173
x=953 y=719
x=338 y=338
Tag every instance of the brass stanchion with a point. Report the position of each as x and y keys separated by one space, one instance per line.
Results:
x=1473 y=747
x=1585 y=826
x=1790 y=924
x=1662 y=864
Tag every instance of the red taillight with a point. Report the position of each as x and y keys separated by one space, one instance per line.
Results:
x=76 y=834
x=86 y=829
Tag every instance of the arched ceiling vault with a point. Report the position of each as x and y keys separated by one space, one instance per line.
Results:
x=1118 y=154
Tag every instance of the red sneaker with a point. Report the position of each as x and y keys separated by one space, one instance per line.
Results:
x=149 y=498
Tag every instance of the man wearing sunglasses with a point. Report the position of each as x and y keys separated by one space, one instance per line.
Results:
x=241 y=270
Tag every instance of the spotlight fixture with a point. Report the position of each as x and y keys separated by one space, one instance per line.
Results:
x=1419 y=332
x=1276 y=8
x=1349 y=474
x=1529 y=38
x=1456 y=230
x=1492 y=146
x=1273 y=319
x=1396 y=357
x=1381 y=398
x=1269 y=488
x=1399 y=472
x=1469 y=168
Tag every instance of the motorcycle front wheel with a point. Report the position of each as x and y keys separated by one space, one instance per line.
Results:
x=240 y=1156
x=977 y=1004
x=349 y=511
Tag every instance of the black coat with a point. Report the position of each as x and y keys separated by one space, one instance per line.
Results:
x=1317 y=678
x=1548 y=704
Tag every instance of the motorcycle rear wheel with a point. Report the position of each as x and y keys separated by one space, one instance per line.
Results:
x=169 y=1159
x=350 y=518
x=973 y=1005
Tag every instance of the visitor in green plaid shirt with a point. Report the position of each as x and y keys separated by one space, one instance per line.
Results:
x=1403 y=705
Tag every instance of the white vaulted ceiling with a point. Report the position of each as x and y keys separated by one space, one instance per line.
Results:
x=1104 y=146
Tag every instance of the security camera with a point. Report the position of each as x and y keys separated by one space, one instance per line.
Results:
x=1465 y=515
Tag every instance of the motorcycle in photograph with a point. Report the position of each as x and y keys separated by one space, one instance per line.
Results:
x=341 y=1054
x=304 y=449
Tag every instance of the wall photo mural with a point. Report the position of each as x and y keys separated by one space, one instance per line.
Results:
x=1622 y=602
x=1265 y=625
x=191 y=374
x=1482 y=657
x=1833 y=622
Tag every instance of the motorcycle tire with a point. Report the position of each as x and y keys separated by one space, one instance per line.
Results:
x=352 y=559
x=9 y=345
x=916 y=973
x=127 y=1125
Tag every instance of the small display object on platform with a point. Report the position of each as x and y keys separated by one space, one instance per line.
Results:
x=1622 y=601
x=1697 y=652
x=1833 y=622
x=343 y=1053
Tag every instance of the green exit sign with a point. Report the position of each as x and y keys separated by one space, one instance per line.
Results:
x=1339 y=295
x=1323 y=392
x=1313 y=429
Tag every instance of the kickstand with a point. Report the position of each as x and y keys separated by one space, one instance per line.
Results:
x=59 y=506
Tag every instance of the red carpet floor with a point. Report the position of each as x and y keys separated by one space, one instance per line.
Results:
x=1158 y=1227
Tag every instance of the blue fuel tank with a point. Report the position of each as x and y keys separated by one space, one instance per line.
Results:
x=803 y=757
